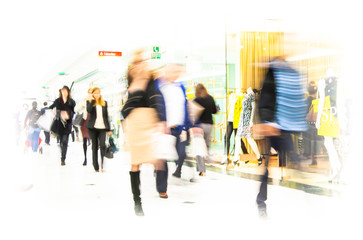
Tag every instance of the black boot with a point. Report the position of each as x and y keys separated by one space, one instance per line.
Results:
x=85 y=162
x=135 y=187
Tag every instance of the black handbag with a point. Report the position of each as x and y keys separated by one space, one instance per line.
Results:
x=57 y=126
x=109 y=152
x=78 y=120
x=109 y=148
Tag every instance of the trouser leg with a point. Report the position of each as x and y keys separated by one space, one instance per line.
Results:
x=162 y=178
x=64 y=145
x=102 y=143
x=262 y=194
x=85 y=148
x=47 y=137
x=180 y=148
x=94 y=137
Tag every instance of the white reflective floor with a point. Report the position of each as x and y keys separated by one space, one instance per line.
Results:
x=43 y=200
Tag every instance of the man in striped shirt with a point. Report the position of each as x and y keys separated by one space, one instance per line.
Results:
x=282 y=104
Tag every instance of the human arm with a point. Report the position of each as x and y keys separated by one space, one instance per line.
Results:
x=214 y=107
x=90 y=105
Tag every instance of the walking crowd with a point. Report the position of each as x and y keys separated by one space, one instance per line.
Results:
x=159 y=122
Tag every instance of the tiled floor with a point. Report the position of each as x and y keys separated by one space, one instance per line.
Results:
x=43 y=200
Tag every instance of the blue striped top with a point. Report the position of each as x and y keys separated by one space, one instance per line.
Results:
x=290 y=112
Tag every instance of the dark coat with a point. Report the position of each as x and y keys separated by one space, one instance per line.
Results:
x=209 y=109
x=267 y=101
x=67 y=106
x=91 y=109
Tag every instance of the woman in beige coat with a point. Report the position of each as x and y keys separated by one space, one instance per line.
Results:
x=142 y=121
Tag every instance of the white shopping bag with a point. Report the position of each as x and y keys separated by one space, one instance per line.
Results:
x=198 y=146
x=166 y=147
x=45 y=121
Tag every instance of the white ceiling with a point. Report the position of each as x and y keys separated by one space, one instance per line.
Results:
x=43 y=37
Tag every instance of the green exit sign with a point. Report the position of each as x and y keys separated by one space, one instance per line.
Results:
x=61 y=73
x=156 y=49
x=155 y=55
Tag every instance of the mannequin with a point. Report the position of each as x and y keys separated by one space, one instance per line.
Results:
x=234 y=112
x=246 y=121
x=328 y=87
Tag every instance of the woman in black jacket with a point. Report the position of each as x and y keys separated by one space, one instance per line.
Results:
x=98 y=125
x=205 y=120
x=65 y=111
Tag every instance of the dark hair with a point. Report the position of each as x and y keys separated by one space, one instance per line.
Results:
x=201 y=91
x=34 y=104
x=66 y=88
x=312 y=89
x=45 y=103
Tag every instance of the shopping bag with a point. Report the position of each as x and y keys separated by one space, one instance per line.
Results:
x=78 y=120
x=194 y=111
x=264 y=130
x=198 y=146
x=57 y=127
x=45 y=121
x=166 y=147
x=109 y=147
x=329 y=124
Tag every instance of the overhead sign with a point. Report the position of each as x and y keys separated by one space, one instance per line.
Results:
x=110 y=61
x=156 y=54
x=107 y=53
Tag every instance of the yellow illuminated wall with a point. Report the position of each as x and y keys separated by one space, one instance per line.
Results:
x=257 y=48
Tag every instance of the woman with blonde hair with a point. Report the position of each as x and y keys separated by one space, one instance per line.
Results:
x=98 y=125
x=142 y=118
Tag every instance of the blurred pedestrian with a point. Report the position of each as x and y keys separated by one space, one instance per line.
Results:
x=142 y=114
x=33 y=129
x=205 y=120
x=98 y=125
x=65 y=111
x=82 y=109
x=311 y=137
x=46 y=134
x=282 y=106
x=177 y=118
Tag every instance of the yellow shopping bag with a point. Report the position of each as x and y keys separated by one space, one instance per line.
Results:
x=329 y=124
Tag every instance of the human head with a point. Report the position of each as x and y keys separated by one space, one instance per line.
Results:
x=139 y=69
x=200 y=91
x=312 y=89
x=65 y=92
x=96 y=93
x=45 y=103
x=173 y=71
x=34 y=104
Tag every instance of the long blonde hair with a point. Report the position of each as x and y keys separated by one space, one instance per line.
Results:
x=100 y=101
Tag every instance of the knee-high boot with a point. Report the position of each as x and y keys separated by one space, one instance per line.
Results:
x=135 y=186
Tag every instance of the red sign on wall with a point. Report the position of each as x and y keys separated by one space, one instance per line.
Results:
x=107 y=53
